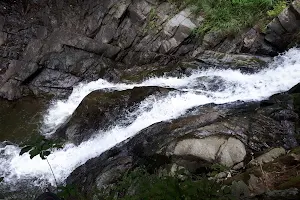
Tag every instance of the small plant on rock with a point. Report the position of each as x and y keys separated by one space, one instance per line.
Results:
x=43 y=148
x=277 y=8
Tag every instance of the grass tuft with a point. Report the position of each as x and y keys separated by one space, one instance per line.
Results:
x=232 y=16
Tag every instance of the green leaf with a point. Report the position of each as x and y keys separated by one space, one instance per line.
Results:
x=57 y=146
x=73 y=192
x=34 y=152
x=46 y=146
x=1 y=179
x=227 y=190
x=25 y=149
x=44 y=154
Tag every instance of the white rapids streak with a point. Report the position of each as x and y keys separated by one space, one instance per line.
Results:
x=281 y=75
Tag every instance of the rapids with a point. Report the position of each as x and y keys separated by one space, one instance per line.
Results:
x=194 y=90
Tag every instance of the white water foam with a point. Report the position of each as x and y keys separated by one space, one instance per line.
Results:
x=281 y=75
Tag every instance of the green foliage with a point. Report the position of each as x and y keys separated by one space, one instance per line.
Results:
x=67 y=192
x=140 y=185
x=277 y=8
x=151 y=21
x=293 y=182
x=42 y=147
x=216 y=169
x=232 y=16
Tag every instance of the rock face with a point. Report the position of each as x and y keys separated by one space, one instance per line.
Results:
x=283 y=29
x=249 y=63
x=269 y=156
x=87 y=40
x=275 y=179
x=224 y=134
x=100 y=110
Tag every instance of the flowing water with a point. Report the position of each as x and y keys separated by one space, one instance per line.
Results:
x=196 y=89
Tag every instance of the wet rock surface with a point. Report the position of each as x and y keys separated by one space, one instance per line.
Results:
x=100 y=110
x=247 y=63
x=226 y=134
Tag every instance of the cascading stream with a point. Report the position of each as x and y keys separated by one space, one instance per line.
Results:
x=280 y=76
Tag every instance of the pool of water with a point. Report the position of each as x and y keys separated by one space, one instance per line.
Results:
x=21 y=119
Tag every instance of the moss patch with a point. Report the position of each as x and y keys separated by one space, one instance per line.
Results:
x=293 y=182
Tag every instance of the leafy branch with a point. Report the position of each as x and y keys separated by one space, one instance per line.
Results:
x=43 y=148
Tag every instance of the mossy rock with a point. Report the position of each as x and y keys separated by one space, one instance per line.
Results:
x=139 y=74
x=296 y=150
x=293 y=182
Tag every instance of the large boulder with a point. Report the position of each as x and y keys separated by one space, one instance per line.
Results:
x=282 y=31
x=101 y=109
x=226 y=151
x=246 y=62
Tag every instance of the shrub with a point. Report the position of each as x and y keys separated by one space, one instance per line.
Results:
x=140 y=185
x=277 y=8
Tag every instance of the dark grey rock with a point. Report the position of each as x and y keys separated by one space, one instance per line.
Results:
x=55 y=79
x=42 y=32
x=25 y=70
x=127 y=34
x=212 y=39
x=275 y=40
x=296 y=7
x=32 y=51
x=11 y=90
x=136 y=11
x=107 y=32
x=242 y=61
x=50 y=92
x=2 y=21
x=295 y=89
x=168 y=45
x=182 y=33
x=289 y=21
x=3 y=38
x=184 y=49
x=276 y=26
x=106 y=107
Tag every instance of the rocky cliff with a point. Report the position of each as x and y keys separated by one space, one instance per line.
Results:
x=46 y=47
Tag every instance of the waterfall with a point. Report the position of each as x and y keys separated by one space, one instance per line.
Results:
x=193 y=90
